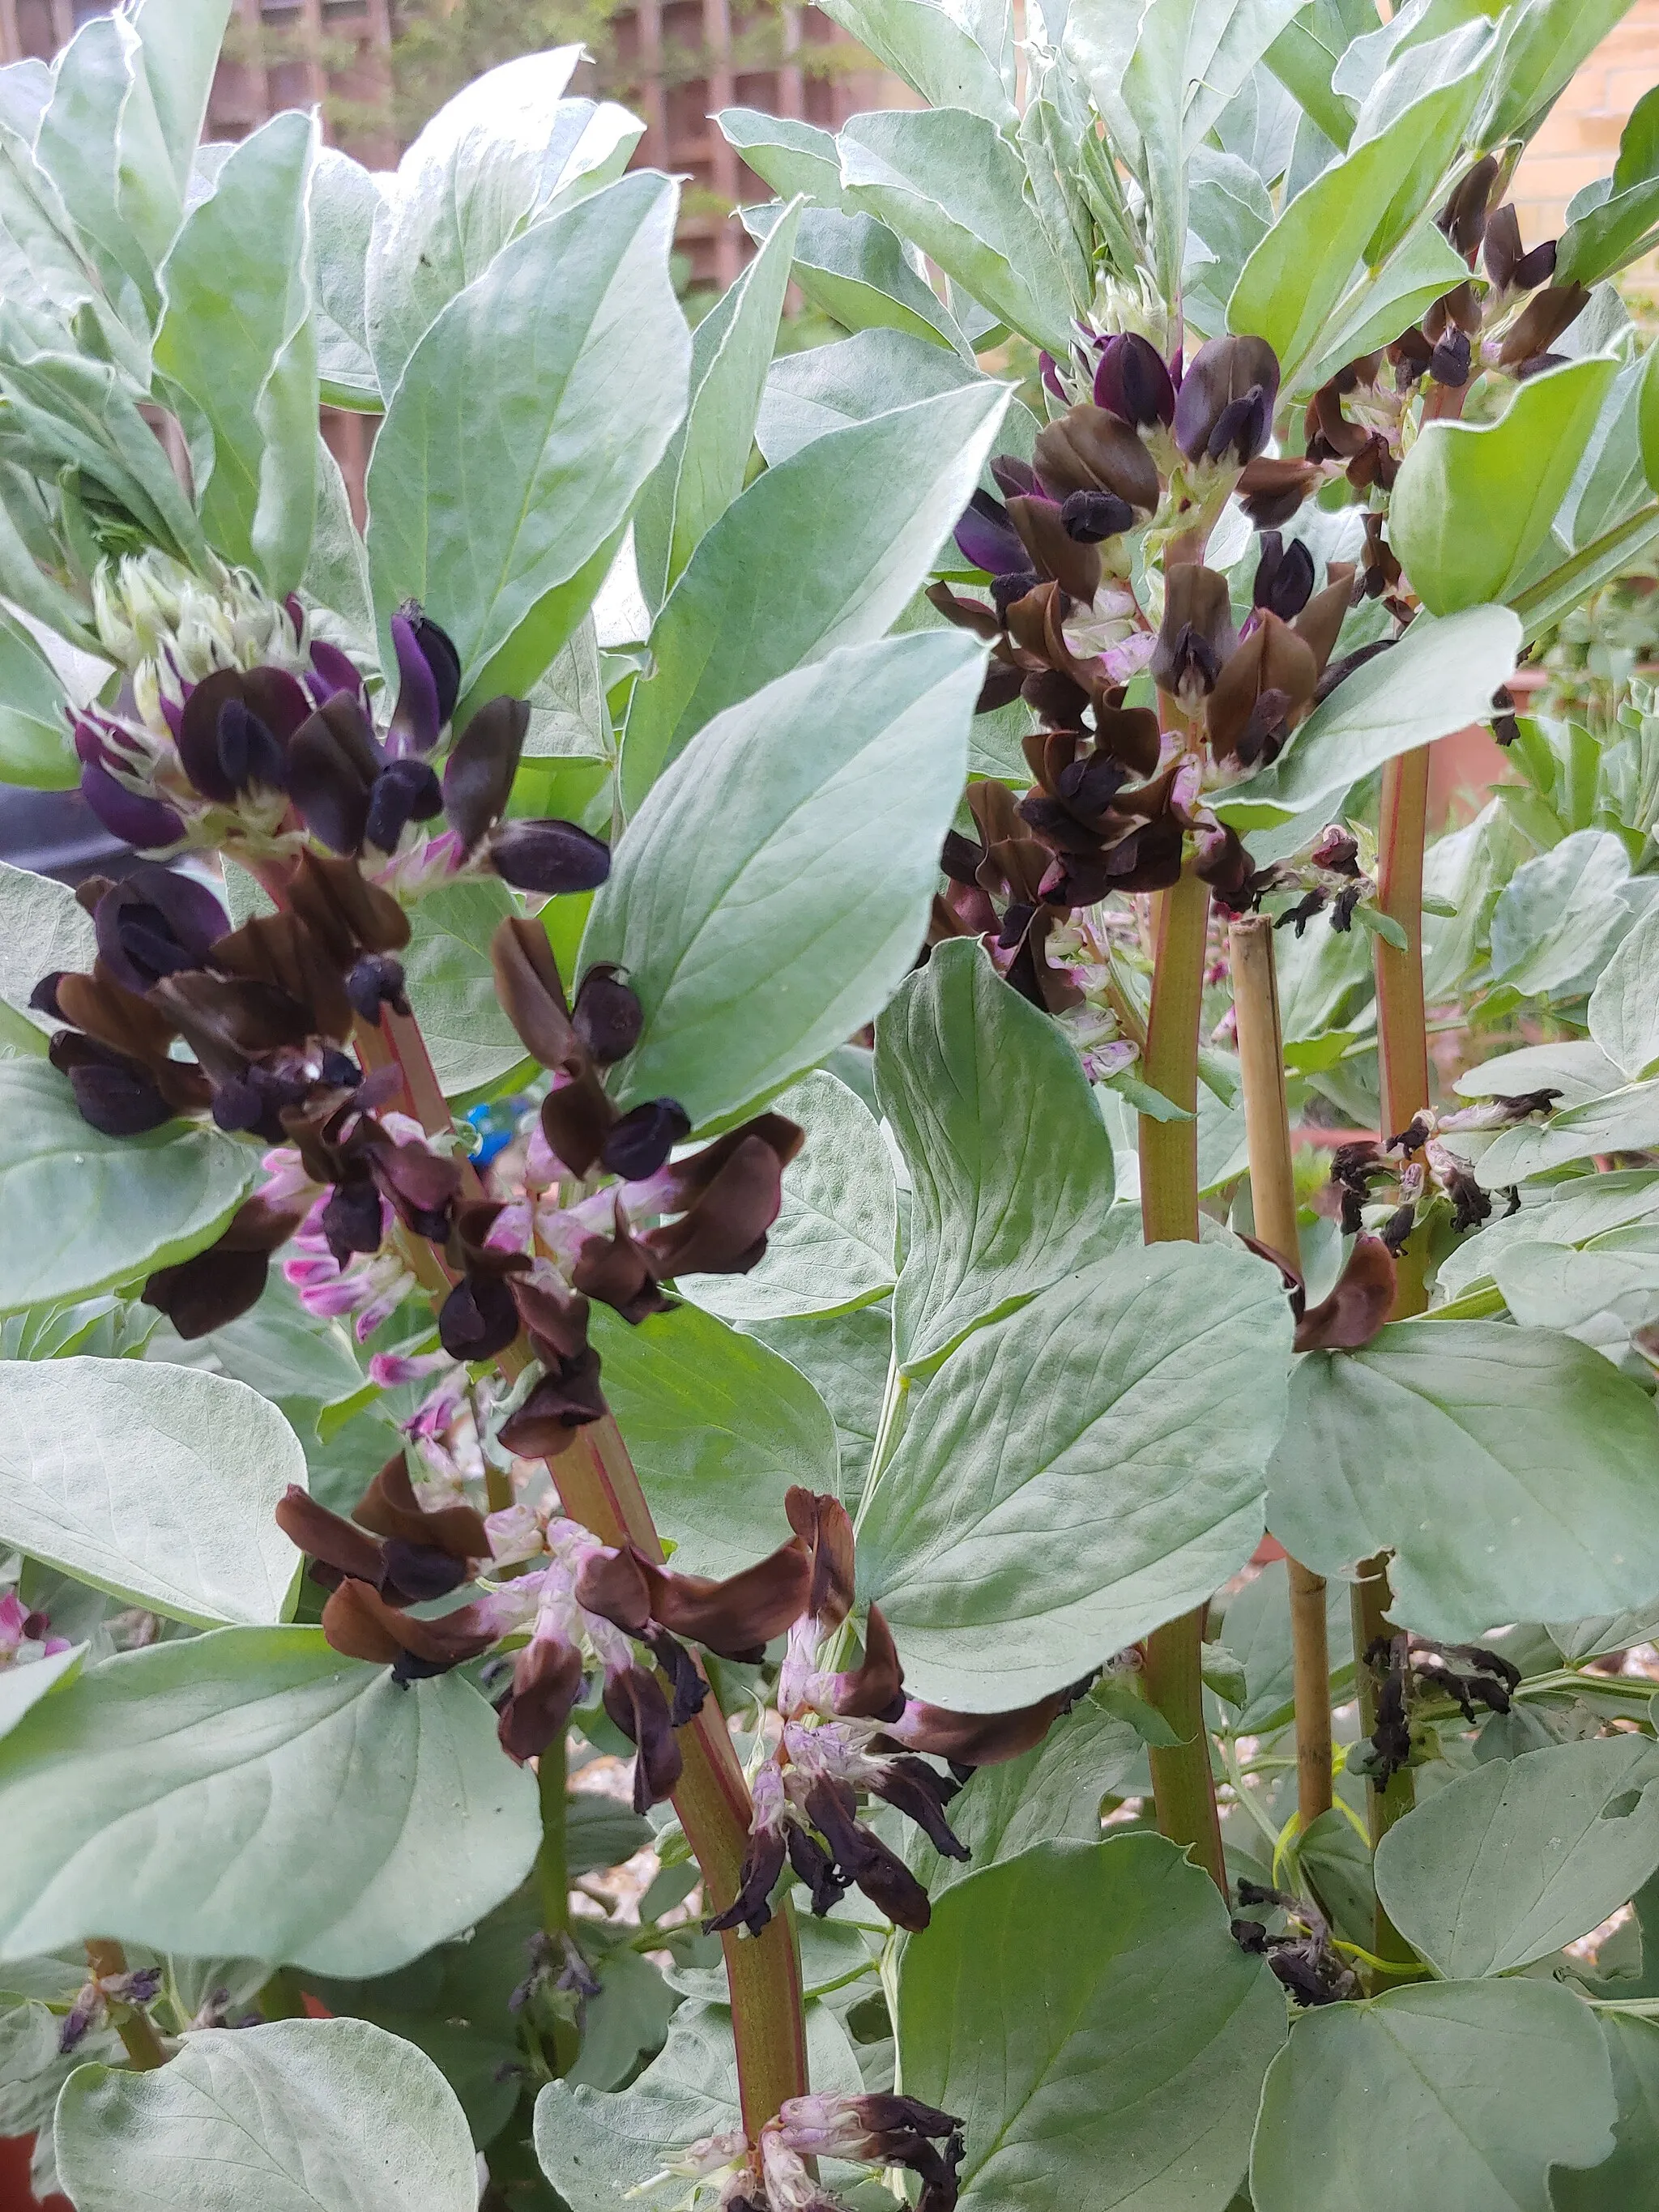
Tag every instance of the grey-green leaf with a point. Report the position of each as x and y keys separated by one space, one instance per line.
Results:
x=500 y=474
x=1625 y=2182
x=167 y=1796
x=719 y=1427
x=1624 y=1007
x=1086 y=2011
x=1008 y=1156
x=855 y=268
x=934 y=50
x=1079 y=1472
x=297 y=2116
x=894 y=486
x=775 y=887
x=828 y=386
x=1485 y=2086
x=452 y=986
x=157 y=1483
x=834 y=1242
x=1518 y=1858
x=1511 y=1471
x=79 y=1211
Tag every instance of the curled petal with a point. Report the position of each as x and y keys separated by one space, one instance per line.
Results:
x=739 y=1615
x=724 y=1231
x=635 y=1701
x=405 y=791
x=618 y=1271
x=481 y=764
x=1089 y=449
x=685 y=1676
x=344 y=911
x=640 y=1143
x=156 y=922
x=478 y=1318
x=1133 y=381
x=219 y=1285
x=884 y=1877
x=114 y=1095
x=567 y=1397
x=1358 y=1307
x=554 y=1316
x=822 y=1524
x=137 y=820
x=337 y=1545
x=612 y=1583
x=986 y=536
x=873 y=1689
x=921 y=1793
x=751 y=1908
x=1074 y=563
x=608 y=1017
x=532 y=994
x=1226 y=399
x=547 y=1680
x=361 y=1623
x=389 y=1507
x=977 y=1739
x=428 y=681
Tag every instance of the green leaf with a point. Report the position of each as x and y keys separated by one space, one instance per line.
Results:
x=845 y=1357
x=35 y=744
x=1544 y=43
x=80 y=1211
x=949 y=182
x=1294 y=281
x=934 y=51
x=1633 y=2051
x=834 y=1243
x=1648 y=420
x=1383 y=926
x=702 y=470
x=1560 y=916
x=605 y=2153
x=894 y=487
x=451 y=986
x=502 y=473
x=855 y=268
x=1008 y=1156
x=1303 y=57
x=345 y=198
x=719 y=1428
x=1546 y=1285
x=1624 y=1007
x=237 y=339
x=100 y=140
x=1049 y=1795
x=463 y=191
x=1517 y=1859
x=1626 y=1122
x=1438 y=678
x=156 y=1484
x=775 y=885
x=1080 y=1473
x=23 y=1687
x=179 y=43
x=1598 y=243
x=1543 y=605
x=1229 y=213
x=1256 y=1625
x=789 y=155
x=333 y=2114
x=1084 y=2007
x=1421 y=270
x=169 y=1796
x=1485 y=2084
x=829 y=386
x=1473 y=502
x=1510 y=1471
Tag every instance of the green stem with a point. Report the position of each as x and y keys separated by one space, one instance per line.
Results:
x=1183 y=1789
x=136 y=2028
x=552 y=1861
x=1402 y=1019
x=598 y=1487
x=1392 y=1801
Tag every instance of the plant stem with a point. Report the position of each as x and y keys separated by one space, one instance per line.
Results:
x=1183 y=1789
x=1383 y=1807
x=552 y=1865
x=134 y=2027
x=597 y=1485
x=1272 y=1201
x=1402 y=1018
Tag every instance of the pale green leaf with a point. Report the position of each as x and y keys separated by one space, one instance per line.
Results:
x=297 y=2116
x=1009 y=1158
x=1512 y=1472
x=245 y=355
x=179 y=43
x=1546 y=41
x=934 y=50
x=1080 y=1473
x=80 y=1211
x=23 y=1687
x=1625 y=1121
x=834 y=1243
x=1485 y=2084
x=157 y=1483
x=1042 y=2005
x=719 y=1428
x=502 y=474
x=775 y=887
x=829 y=386
x=1625 y=2182
x=451 y=988
x=101 y=142
x=1421 y=270
x=1624 y=1007
x=1561 y=914
x=894 y=485
x=1519 y=1858
x=855 y=269
x=345 y=198
x=789 y=155
x=1549 y=1285
x=1256 y=1628
x=167 y=1796
x=35 y=745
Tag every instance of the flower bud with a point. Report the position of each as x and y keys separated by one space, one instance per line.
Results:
x=1133 y=382
x=1196 y=635
x=549 y=857
x=481 y=764
x=1225 y=408
x=1088 y=449
x=429 y=681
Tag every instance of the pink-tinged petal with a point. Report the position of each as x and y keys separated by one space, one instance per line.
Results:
x=389 y=1370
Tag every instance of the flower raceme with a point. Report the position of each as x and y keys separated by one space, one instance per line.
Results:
x=880 y=2130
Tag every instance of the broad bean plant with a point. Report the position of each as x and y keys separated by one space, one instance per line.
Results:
x=697 y=1512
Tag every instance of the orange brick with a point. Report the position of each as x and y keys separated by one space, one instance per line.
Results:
x=1625 y=86
x=1600 y=132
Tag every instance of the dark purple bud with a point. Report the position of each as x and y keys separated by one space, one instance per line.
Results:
x=638 y=1144
x=156 y=922
x=1092 y=517
x=331 y=672
x=1014 y=478
x=116 y=1096
x=987 y=539
x=547 y=1678
x=635 y=1701
x=1225 y=404
x=144 y=822
x=428 y=681
x=1134 y=383
x=607 y=1016
x=481 y=764
x=751 y=1908
x=353 y=1220
x=1284 y=576
x=684 y=1675
x=549 y=857
x=374 y=982
x=1464 y=218
x=405 y=791
x=478 y=1318
x=332 y=764
x=1535 y=268
x=250 y=757
x=1450 y=363
x=1008 y=590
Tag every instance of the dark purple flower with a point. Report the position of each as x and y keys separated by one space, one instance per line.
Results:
x=147 y=824
x=331 y=672
x=606 y=1016
x=550 y=857
x=1284 y=576
x=478 y=1318
x=987 y=540
x=115 y=1095
x=428 y=681
x=405 y=791
x=1225 y=409
x=1133 y=381
x=373 y=982
x=333 y=761
x=156 y=922
x=642 y=1140
x=481 y=764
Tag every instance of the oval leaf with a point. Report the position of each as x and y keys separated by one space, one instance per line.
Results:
x=156 y=1484
x=1080 y=1473
x=775 y=884
x=250 y=1793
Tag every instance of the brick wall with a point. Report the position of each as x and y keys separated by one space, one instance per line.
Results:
x=1580 y=141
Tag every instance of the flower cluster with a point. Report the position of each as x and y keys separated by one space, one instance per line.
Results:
x=879 y=2130
x=853 y=1732
x=1409 y=1672
x=26 y=1636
